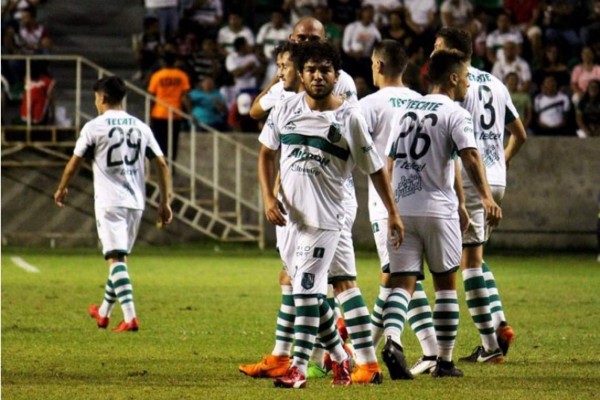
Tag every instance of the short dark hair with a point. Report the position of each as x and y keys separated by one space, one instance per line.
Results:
x=113 y=88
x=239 y=42
x=393 y=55
x=458 y=39
x=283 y=47
x=317 y=52
x=444 y=62
x=170 y=58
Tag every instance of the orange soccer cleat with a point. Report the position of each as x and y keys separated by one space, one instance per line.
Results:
x=269 y=367
x=367 y=373
x=131 y=326
x=101 y=321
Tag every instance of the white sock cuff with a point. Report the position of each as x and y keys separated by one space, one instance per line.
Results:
x=286 y=290
x=384 y=292
x=469 y=273
x=402 y=292
x=446 y=294
x=348 y=294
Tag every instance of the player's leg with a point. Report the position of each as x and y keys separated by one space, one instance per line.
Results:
x=379 y=228
x=443 y=255
x=314 y=253
x=405 y=269
x=102 y=314
x=420 y=318
x=277 y=363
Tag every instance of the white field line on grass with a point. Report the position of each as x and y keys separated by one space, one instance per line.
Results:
x=21 y=263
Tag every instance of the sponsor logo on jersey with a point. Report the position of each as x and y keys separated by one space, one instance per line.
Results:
x=408 y=185
x=412 y=166
x=489 y=136
x=305 y=155
x=334 y=135
x=490 y=156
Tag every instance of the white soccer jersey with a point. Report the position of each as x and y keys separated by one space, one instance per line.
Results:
x=552 y=109
x=118 y=143
x=378 y=109
x=318 y=152
x=422 y=142
x=490 y=104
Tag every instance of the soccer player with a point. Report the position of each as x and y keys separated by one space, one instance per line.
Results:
x=117 y=143
x=490 y=104
x=421 y=146
x=388 y=64
x=321 y=137
x=342 y=272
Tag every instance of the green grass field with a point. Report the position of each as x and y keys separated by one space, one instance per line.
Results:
x=202 y=313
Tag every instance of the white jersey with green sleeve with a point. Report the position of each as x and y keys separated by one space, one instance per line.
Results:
x=318 y=153
x=378 y=109
x=117 y=143
x=422 y=143
x=489 y=102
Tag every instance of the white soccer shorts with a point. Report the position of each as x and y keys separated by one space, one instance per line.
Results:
x=117 y=228
x=437 y=240
x=479 y=231
x=380 y=234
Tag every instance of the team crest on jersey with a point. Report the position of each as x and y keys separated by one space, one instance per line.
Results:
x=308 y=280
x=290 y=126
x=334 y=135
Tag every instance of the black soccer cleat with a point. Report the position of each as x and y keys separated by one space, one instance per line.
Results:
x=445 y=369
x=394 y=359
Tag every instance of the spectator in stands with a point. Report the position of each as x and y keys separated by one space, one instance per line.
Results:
x=526 y=15
x=333 y=32
x=233 y=30
x=552 y=64
x=383 y=8
x=205 y=16
x=207 y=60
x=270 y=35
x=490 y=7
x=344 y=12
x=167 y=13
x=520 y=99
x=359 y=38
x=301 y=8
x=562 y=22
x=421 y=19
x=239 y=119
x=588 y=111
x=551 y=109
x=147 y=46
x=417 y=58
x=590 y=30
x=208 y=105
x=397 y=29
x=481 y=22
x=12 y=9
x=170 y=85
x=32 y=37
x=511 y=62
x=37 y=103
x=458 y=14
x=362 y=87
x=583 y=73
x=244 y=65
x=503 y=33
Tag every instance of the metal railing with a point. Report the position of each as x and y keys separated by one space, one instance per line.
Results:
x=238 y=206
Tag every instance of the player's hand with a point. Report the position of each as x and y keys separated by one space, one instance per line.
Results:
x=396 y=230
x=59 y=196
x=463 y=216
x=165 y=215
x=493 y=212
x=275 y=212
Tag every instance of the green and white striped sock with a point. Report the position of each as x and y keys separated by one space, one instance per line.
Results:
x=445 y=322
x=123 y=289
x=358 y=324
x=495 y=303
x=377 y=315
x=421 y=321
x=328 y=333
x=305 y=329
x=108 y=302
x=284 y=332
x=478 y=302
x=394 y=313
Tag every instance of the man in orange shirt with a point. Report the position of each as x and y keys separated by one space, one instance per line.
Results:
x=170 y=85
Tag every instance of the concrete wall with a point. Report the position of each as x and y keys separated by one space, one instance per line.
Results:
x=551 y=200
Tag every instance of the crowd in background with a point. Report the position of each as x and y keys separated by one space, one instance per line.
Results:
x=547 y=52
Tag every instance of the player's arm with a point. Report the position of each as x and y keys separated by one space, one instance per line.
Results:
x=274 y=210
x=256 y=110
x=381 y=181
x=473 y=165
x=165 y=214
x=68 y=174
x=518 y=136
x=463 y=215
